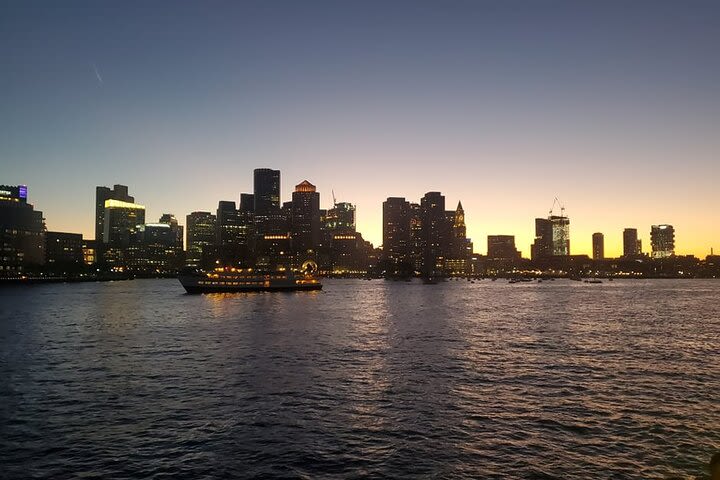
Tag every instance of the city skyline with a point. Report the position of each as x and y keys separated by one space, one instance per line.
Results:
x=557 y=208
x=612 y=108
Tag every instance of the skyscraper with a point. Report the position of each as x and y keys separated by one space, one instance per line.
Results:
x=396 y=229
x=598 y=245
x=22 y=232
x=662 y=240
x=460 y=247
x=552 y=237
x=631 y=243
x=435 y=229
x=305 y=221
x=341 y=218
x=121 y=221
x=118 y=192
x=235 y=235
x=200 y=238
x=266 y=190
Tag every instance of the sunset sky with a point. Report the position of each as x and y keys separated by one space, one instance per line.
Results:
x=613 y=107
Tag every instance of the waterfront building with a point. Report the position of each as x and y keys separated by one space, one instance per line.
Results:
x=662 y=241
x=416 y=248
x=89 y=252
x=435 y=226
x=459 y=246
x=598 y=246
x=502 y=247
x=631 y=243
x=200 y=239
x=341 y=218
x=235 y=236
x=102 y=194
x=119 y=231
x=305 y=222
x=552 y=237
x=22 y=232
x=155 y=250
x=178 y=231
x=64 y=252
x=396 y=230
x=266 y=199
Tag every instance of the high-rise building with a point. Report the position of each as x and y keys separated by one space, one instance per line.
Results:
x=502 y=247
x=178 y=231
x=435 y=227
x=235 y=236
x=662 y=240
x=341 y=218
x=552 y=237
x=200 y=239
x=266 y=200
x=102 y=194
x=460 y=248
x=396 y=229
x=598 y=246
x=122 y=220
x=247 y=203
x=630 y=242
x=22 y=232
x=305 y=221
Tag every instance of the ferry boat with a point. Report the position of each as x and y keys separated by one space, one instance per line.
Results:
x=226 y=280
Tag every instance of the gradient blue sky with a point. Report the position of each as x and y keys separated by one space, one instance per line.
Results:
x=614 y=107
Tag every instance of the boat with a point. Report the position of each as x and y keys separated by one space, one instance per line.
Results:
x=593 y=280
x=229 y=280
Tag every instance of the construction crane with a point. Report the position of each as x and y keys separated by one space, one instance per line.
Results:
x=334 y=201
x=562 y=208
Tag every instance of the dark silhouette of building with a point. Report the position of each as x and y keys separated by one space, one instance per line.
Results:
x=502 y=247
x=200 y=240
x=598 y=246
x=662 y=240
x=305 y=222
x=266 y=200
x=235 y=236
x=435 y=226
x=22 y=232
x=396 y=230
x=247 y=203
x=631 y=243
x=64 y=252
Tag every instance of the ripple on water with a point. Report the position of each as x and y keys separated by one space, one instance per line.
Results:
x=365 y=379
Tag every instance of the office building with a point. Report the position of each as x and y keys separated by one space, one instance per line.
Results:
x=502 y=247
x=552 y=237
x=598 y=246
x=102 y=194
x=341 y=218
x=435 y=226
x=235 y=236
x=200 y=239
x=22 y=232
x=305 y=222
x=396 y=229
x=64 y=252
x=631 y=243
x=266 y=200
x=662 y=241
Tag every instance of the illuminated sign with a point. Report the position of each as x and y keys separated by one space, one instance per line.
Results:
x=22 y=189
x=5 y=193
